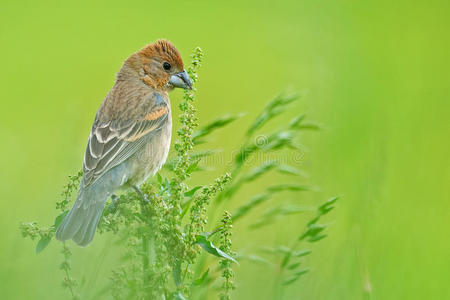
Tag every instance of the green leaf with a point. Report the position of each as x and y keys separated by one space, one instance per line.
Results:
x=272 y=109
x=179 y=296
x=257 y=172
x=192 y=167
x=207 y=235
x=290 y=170
x=301 y=272
x=285 y=210
x=216 y=124
x=297 y=124
x=309 y=126
x=170 y=164
x=327 y=206
x=286 y=260
x=159 y=178
x=42 y=244
x=261 y=223
x=277 y=213
x=301 y=253
x=209 y=247
x=244 y=153
x=312 y=231
x=250 y=176
x=188 y=202
x=293 y=266
x=279 y=140
x=177 y=274
x=192 y=191
x=201 y=280
x=278 y=250
x=295 y=277
x=59 y=219
x=316 y=238
x=297 y=121
x=205 y=153
x=185 y=207
x=290 y=280
x=288 y=187
x=254 y=258
x=244 y=209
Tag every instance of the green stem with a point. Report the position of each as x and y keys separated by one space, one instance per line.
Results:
x=66 y=271
x=146 y=218
x=278 y=288
x=145 y=262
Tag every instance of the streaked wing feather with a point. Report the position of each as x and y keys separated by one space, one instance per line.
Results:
x=112 y=143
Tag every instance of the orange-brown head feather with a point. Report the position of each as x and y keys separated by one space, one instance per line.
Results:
x=164 y=50
x=148 y=64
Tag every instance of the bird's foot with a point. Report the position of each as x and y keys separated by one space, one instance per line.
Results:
x=114 y=199
x=143 y=196
x=113 y=205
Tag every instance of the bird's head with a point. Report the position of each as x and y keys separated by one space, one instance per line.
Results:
x=160 y=66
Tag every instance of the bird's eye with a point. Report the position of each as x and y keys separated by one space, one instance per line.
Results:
x=166 y=66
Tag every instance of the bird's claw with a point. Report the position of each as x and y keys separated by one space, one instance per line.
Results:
x=145 y=199
x=113 y=205
x=114 y=199
x=143 y=196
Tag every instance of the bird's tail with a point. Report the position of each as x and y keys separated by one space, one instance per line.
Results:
x=81 y=221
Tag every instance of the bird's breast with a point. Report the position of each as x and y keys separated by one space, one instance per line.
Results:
x=152 y=155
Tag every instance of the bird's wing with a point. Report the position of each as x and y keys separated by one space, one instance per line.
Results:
x=111 y=143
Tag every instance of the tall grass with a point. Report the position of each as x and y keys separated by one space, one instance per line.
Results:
x=167 y=238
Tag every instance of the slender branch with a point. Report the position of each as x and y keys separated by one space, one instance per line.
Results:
x=145 y=242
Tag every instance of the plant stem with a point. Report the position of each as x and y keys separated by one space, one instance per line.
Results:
x=66 y=271
x=146 y=218
x=145 y=261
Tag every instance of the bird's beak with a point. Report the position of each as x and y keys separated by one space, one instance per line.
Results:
x=181 y=80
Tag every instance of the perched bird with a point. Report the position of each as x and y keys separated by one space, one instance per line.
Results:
x=130 y=137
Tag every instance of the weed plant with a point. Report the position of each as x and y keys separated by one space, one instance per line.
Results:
x=168 y=238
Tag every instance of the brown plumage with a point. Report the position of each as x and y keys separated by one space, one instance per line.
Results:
x=130 y=137
x=165 y=50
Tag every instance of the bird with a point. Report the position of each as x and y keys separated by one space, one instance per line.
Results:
x=130 y=136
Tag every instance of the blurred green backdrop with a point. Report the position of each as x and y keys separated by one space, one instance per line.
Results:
x=377 y=76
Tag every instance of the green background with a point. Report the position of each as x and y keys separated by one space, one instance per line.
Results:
x=375 y=73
